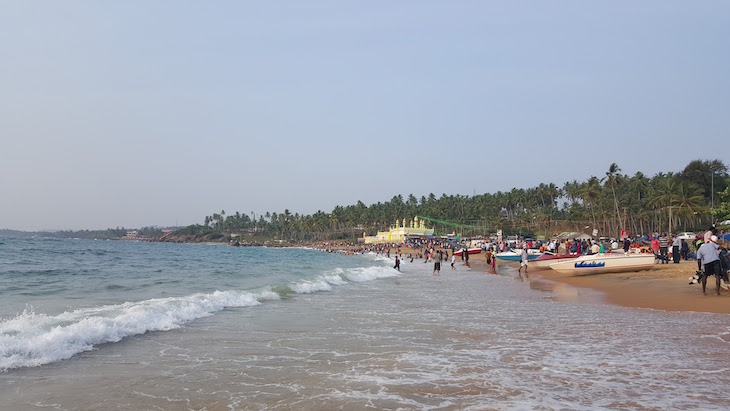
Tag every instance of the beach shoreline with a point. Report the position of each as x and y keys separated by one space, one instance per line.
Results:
x=665 y=287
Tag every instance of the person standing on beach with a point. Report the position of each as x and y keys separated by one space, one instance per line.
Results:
x=595 y=248
x=663 y=247
x=437 y=265
x=523 y=262
x=453 y=260
x=655 y=246
x=709 y=256
x=675 y=248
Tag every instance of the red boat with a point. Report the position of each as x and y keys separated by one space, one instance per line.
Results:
x=471 y=251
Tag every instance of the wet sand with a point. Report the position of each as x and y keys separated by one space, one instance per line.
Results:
x=665 y=287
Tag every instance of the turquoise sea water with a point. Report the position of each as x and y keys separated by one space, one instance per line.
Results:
x=97 y=325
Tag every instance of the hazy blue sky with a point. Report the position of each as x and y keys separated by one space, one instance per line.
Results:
x=137 y=113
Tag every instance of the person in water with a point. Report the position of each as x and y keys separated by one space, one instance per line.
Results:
x=523 y=262
x=397 y=263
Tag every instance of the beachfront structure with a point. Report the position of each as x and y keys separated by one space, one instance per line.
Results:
x=399 y=233
x=131 y=235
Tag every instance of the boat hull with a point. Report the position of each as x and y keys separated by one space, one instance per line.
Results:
x=471 y=251
x=512 y=256
x=543 y=262
x=604 y=263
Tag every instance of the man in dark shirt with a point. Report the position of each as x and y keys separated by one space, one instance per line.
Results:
x=685 y=250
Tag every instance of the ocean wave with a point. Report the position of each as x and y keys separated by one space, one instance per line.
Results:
x=369 y=273
x=31 y=339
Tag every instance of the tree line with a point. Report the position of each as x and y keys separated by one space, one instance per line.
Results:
x=687 y=200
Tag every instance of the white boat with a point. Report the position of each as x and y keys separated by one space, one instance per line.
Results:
x=516 y=255
x=605 y=263
x=543 y=262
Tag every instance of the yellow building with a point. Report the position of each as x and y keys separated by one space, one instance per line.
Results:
x=399 y=233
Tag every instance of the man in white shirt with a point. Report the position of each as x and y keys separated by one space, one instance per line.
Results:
x=710 y=258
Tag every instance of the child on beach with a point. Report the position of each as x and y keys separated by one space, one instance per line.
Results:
x=453 y=260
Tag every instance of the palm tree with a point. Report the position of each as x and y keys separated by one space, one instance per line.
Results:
x=611 y=180
x=689 y=200
x=664 y=195
x=592 y=195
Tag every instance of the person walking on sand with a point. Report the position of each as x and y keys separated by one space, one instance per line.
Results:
x=709 y=256
x=523 y=262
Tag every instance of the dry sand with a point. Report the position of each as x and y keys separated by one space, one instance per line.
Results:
x=665 y=287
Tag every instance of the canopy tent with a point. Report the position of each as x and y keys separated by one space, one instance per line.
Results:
x=569 y=235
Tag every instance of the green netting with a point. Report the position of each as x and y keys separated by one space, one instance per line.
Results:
x=452 y=224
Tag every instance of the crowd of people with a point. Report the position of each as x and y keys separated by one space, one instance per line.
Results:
x=712 y=258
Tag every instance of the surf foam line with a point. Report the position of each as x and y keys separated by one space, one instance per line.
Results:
x=338 y=277
x=31 y=340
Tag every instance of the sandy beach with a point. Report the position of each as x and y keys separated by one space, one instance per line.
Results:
x=665 y=287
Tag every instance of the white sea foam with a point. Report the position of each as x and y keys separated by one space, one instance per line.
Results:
x=334 y=279
x=310 y=286
x=369 y=273
x=31 y=339
x=377 y=257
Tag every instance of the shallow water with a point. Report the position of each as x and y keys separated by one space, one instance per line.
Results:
x=289 y=329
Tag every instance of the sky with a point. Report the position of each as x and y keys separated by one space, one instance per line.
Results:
x=138 y=113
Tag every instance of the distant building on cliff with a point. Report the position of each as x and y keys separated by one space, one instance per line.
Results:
x=135 y=236
x=131 y=235
x=399 y=233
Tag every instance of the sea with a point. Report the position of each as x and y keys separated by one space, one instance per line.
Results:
x=115 y=325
